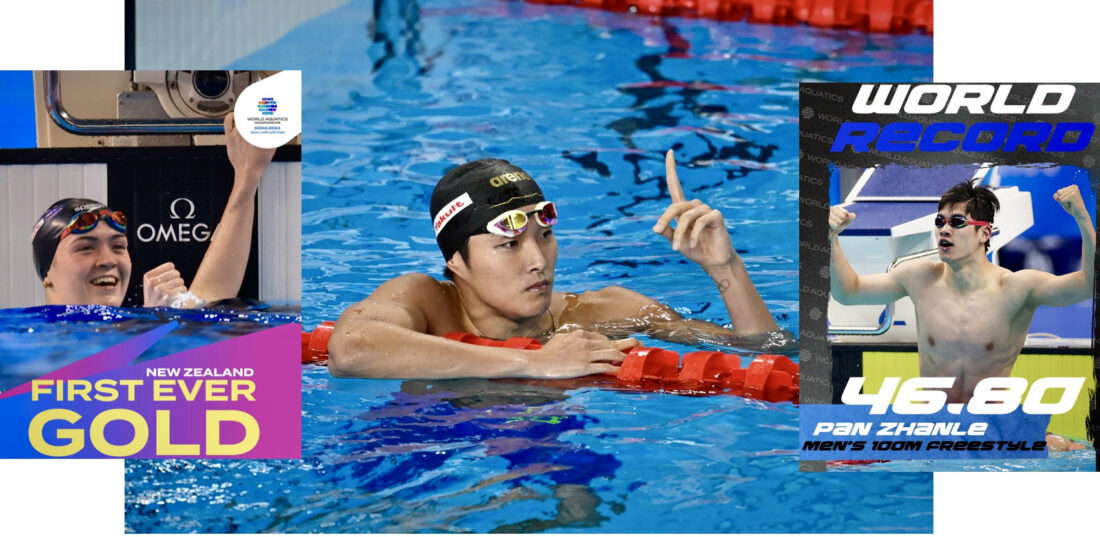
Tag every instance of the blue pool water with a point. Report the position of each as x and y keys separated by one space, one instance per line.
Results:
x=391 y=456
x=36 y=341
x=395 y=94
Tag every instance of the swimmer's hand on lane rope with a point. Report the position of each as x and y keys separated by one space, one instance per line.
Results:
x=580 y=353
x=839 y=219
x=700 y=233
x=1070 y=200
x=163 y=286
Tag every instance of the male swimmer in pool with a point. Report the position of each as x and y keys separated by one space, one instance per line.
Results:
x=81 y=261
x=495 y=230
x=972 y=316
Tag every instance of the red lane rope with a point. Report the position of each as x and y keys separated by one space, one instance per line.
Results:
x=770 y=377
x=885 y=16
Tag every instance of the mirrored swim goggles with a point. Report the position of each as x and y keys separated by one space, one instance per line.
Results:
x=958 y=221
x=86 y=221
x=513 y=223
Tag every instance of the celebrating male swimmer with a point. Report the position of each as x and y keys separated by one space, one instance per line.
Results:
x=496 y=232
x=972 y=316
x=82 y=256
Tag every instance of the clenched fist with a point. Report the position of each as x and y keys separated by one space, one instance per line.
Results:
x=1070 y=199
x=162 y=285
x=839 y=219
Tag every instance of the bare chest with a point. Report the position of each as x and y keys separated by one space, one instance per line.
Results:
x=988 y=322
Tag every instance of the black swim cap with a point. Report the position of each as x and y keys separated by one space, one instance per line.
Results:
x=47 y=232
x=468 y=197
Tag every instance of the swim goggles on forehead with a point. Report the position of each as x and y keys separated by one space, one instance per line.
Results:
x=958 y=221
x=85 y=221
x=513 y=223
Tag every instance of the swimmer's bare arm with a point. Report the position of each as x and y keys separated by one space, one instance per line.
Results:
x=387 y=336
x=701 y=236
x=620 y=312
x=1050 y=290
x=222 y=269
x=850 y=288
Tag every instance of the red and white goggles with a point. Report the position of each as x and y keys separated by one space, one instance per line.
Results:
x=513 y=223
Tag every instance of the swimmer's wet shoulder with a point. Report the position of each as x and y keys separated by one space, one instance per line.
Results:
x=620 y=312
x=613 y=311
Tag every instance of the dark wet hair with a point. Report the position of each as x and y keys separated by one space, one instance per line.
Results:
x=981 y=202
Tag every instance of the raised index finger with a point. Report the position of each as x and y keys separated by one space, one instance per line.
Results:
x=674 y=188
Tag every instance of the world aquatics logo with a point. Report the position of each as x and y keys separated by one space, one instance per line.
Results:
x=267 y=106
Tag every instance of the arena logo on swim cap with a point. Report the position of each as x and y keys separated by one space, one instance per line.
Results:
x=450 y=210
x=511 y=177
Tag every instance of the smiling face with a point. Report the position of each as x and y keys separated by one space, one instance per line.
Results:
x=960 y=243
x=514 y=276
x=89 y=268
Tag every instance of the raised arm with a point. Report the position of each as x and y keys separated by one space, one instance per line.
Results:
x=1067 y=289
x=701 y=236
x=848 y=287
x=386 y=336
x=222 y=269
